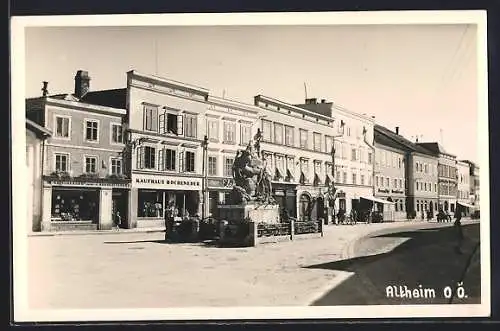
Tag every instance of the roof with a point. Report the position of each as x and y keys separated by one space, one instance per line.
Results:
x=115 y=98
x=324 y=108
x=37 y=129
x=435 y=148
x=401 y=141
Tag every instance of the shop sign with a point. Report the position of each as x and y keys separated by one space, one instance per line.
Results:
x=220 y=183
x=166 y=182
x=397 y=191
x=383 y=190
x=73 y=183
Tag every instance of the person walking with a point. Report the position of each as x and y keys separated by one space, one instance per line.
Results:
x=459 y=230
x=118 y=220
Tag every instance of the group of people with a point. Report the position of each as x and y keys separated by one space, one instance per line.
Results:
x=354 y=216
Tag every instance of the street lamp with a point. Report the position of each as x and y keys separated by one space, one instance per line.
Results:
x=204 y=145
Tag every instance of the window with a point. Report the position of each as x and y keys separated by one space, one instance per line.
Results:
x=362 y=178
x=337 y=175
x=304 y=168
x=344 y=179
x=395 y=183
x=266 y=130
x=62 y=127
x=246 y=134
x=213 y=130
x=288 y=135
x=280 y=164
x=317 y=167
x=376 y=181
x=91 y=164
x=353 y=154
x=191 y=123
x=344 y=151
x=116 y=166
x=146 y=157
x=116 y=133
x=290 y=165
x=328 y=144
x=303 y=138
x=426 y=168
x=150 y=118
x=387 y=184
x=167 y=159
x=62 y=162
x=228 y=167
x=229 y=132
x=354 y=179
x=348 y=131
x=278 y=133
x=399 y=163
x=171 y=123
x=212 y=166
x=189 y=162
x=317 y=141
x=92 y=130
x=400 y=183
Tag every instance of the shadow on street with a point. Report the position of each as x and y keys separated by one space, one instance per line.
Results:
x=428 y=258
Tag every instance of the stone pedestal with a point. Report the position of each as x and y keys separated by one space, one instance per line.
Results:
x=254 y=212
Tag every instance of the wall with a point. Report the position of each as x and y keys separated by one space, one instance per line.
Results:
x=33 y=165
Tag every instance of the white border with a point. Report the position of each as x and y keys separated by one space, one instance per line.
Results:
x=18 y=24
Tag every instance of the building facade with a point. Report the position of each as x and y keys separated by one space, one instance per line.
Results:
x=463 y=179
x=84 y=186
x=390 y=172
x=421 y=173
x=473 y=182
x=35 y=145
x=447 y=176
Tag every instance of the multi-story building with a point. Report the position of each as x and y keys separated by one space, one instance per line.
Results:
x=421 y=174
x=166 y=124
x=473 y=183
x=83 y=165
x=390 y=171
x=35 y=142
x=447 y=176
x=463 y=179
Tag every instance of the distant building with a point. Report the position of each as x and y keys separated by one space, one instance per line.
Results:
x=421 y=167
x=447 y=175
x=463 y=182
x=83 y=169
x=390 y=171
x=474 y=184
x=36 y=136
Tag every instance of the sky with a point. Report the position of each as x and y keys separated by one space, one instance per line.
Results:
x=422 y=78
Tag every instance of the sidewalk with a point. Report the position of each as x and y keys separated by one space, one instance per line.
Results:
x=95 y=232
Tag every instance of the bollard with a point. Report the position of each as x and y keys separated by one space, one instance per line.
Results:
x=292 y=228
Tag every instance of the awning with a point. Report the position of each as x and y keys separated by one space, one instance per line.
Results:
x=377 y=200
x=467 y=205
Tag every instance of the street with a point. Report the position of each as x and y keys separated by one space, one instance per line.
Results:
x=139 y=270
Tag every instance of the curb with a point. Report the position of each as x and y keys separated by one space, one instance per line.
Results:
x=92 y=233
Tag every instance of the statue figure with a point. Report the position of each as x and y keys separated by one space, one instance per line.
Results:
x=251 y=180
x=257 y=138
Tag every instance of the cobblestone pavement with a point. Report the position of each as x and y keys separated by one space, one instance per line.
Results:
x=139 y=270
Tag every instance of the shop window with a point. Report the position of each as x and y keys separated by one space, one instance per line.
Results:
x=150 y=204
x=116 y=133
x=61 y=162
x=116 y=166
x=63 y=125
x=92 y=130
x=150 y=118
x=75 y=205
x=90 y=164
x=229 y=133
x=288 y=135
x=212 y=166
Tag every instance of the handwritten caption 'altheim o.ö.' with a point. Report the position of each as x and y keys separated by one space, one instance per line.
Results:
x=405 y=292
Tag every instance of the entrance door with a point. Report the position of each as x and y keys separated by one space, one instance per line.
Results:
x=305 y=201
x=120 y=204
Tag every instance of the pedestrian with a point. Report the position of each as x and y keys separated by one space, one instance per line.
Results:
x=459 y=230
x=118 y=220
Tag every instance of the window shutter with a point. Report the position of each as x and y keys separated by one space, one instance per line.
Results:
x=194 y=120
x=161 y=156
x=145 y=118
x=181 y=161
x=138 y=157
x=180 y=125
x=154 y=119
x=161 y=124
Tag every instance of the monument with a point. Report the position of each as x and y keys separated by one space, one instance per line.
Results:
x=251 y=197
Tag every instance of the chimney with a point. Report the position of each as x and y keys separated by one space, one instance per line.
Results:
x=323 y=100
x=397 y=130
x=311 y=101
x=82 y=83
x=45 y=91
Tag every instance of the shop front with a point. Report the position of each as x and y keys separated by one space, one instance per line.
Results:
x=78 y=204
x=218 y=190
x=398 y=199
x=285 y=195
x=152 y=194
